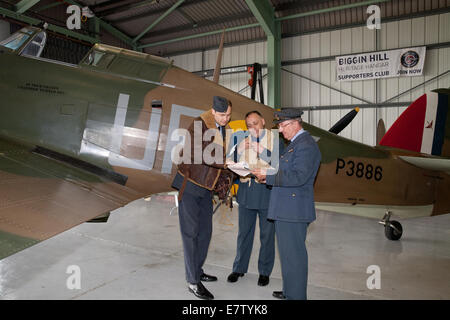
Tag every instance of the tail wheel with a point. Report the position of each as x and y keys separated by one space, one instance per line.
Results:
x=393 y=230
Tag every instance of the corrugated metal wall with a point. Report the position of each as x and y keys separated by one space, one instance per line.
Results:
x=232 y=56
x=300 y=92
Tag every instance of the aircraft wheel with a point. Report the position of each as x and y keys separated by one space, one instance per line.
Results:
x=393 y=233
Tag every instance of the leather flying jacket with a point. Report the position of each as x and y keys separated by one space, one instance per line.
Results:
x=212 y=176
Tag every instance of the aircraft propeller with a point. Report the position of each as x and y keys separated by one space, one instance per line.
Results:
x=344 y=122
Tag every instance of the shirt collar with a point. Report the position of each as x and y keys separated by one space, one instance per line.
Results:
x=297 y=134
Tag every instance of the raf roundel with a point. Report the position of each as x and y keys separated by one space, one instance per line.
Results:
x=409 y=59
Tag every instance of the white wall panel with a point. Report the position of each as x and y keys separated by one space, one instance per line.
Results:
x=444 y=65
x=305 y=69
x=325 y=78
x=368 y=116
x=300 y=92
x=190 y=62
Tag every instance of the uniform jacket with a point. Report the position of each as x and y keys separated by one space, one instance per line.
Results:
x=251 y=194
x=292 y=196
x=211 y=176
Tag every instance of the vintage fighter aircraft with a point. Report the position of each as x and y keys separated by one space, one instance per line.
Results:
x=78 y=141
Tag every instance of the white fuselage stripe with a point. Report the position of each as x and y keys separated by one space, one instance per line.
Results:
x=430 y=119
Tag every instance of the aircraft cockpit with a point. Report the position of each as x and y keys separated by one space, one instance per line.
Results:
x=27 y=41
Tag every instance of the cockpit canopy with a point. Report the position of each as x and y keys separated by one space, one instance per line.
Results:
x=27 y=41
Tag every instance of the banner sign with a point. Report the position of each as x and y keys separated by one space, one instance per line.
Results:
x=383 y=64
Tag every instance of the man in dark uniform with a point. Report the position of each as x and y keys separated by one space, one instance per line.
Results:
x=292 y=201
x=196 y=183
x=255 y=148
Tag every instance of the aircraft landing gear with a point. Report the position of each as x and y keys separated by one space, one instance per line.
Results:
x=392 y=229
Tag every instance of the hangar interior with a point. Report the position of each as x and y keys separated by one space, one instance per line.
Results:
x=137 y=254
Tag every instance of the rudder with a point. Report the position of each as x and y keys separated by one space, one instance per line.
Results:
x=424 y=126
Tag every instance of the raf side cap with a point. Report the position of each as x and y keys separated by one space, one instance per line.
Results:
x=220 y=104
x=286 y=114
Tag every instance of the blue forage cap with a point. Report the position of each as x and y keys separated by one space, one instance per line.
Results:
x=220 y=104
x=287 y=114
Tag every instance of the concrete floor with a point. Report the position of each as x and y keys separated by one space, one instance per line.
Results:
x=138 y=255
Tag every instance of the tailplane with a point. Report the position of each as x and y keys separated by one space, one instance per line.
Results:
x=424 y=126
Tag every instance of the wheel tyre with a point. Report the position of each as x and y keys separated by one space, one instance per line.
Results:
x=391 y=233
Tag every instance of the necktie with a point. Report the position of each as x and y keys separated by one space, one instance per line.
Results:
x=222 y=131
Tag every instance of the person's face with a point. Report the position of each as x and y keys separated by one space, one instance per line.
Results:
x=289 y=128
x=222 y=118
x=255 y=124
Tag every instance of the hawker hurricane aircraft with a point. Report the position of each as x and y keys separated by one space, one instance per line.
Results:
x=78 y=141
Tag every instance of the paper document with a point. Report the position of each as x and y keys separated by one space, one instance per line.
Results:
x=241 y=168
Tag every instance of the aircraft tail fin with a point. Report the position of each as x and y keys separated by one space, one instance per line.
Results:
x=424 y=126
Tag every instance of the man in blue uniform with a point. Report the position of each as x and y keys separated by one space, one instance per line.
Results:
x=292 y=201
x=256 y=148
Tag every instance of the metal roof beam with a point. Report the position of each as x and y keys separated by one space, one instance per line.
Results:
x=158 y=11
x=274 y=66
x=158 y=20
x=199 y=24
x=193 y=36
x=51 y=27
x=24 y=5
x=264 y=13
x=214 y=21
x=332 y=9
x=304 y=14
x=116 y=32
x=63 y=30
x=111 y=29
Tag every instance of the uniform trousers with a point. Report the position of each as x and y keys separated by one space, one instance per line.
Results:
x=247 y=223
x=195 y=215
x=291 y=238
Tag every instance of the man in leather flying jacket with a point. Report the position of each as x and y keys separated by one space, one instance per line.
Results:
x=197 y=181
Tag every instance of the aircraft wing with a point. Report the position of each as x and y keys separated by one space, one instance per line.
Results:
x=436 y=164
x=41 y=197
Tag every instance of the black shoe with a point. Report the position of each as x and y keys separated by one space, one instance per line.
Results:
x=207 y=278
x=200 y=291
x=279 y=295
x=233 y=277
x=263 y=280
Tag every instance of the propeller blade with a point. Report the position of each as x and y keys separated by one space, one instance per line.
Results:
x=344 y=122
x=381 y=131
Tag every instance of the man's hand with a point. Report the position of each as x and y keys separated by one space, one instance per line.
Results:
x=260 y=174
x=258 y=148
x=228 y=162
x=245 y=144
